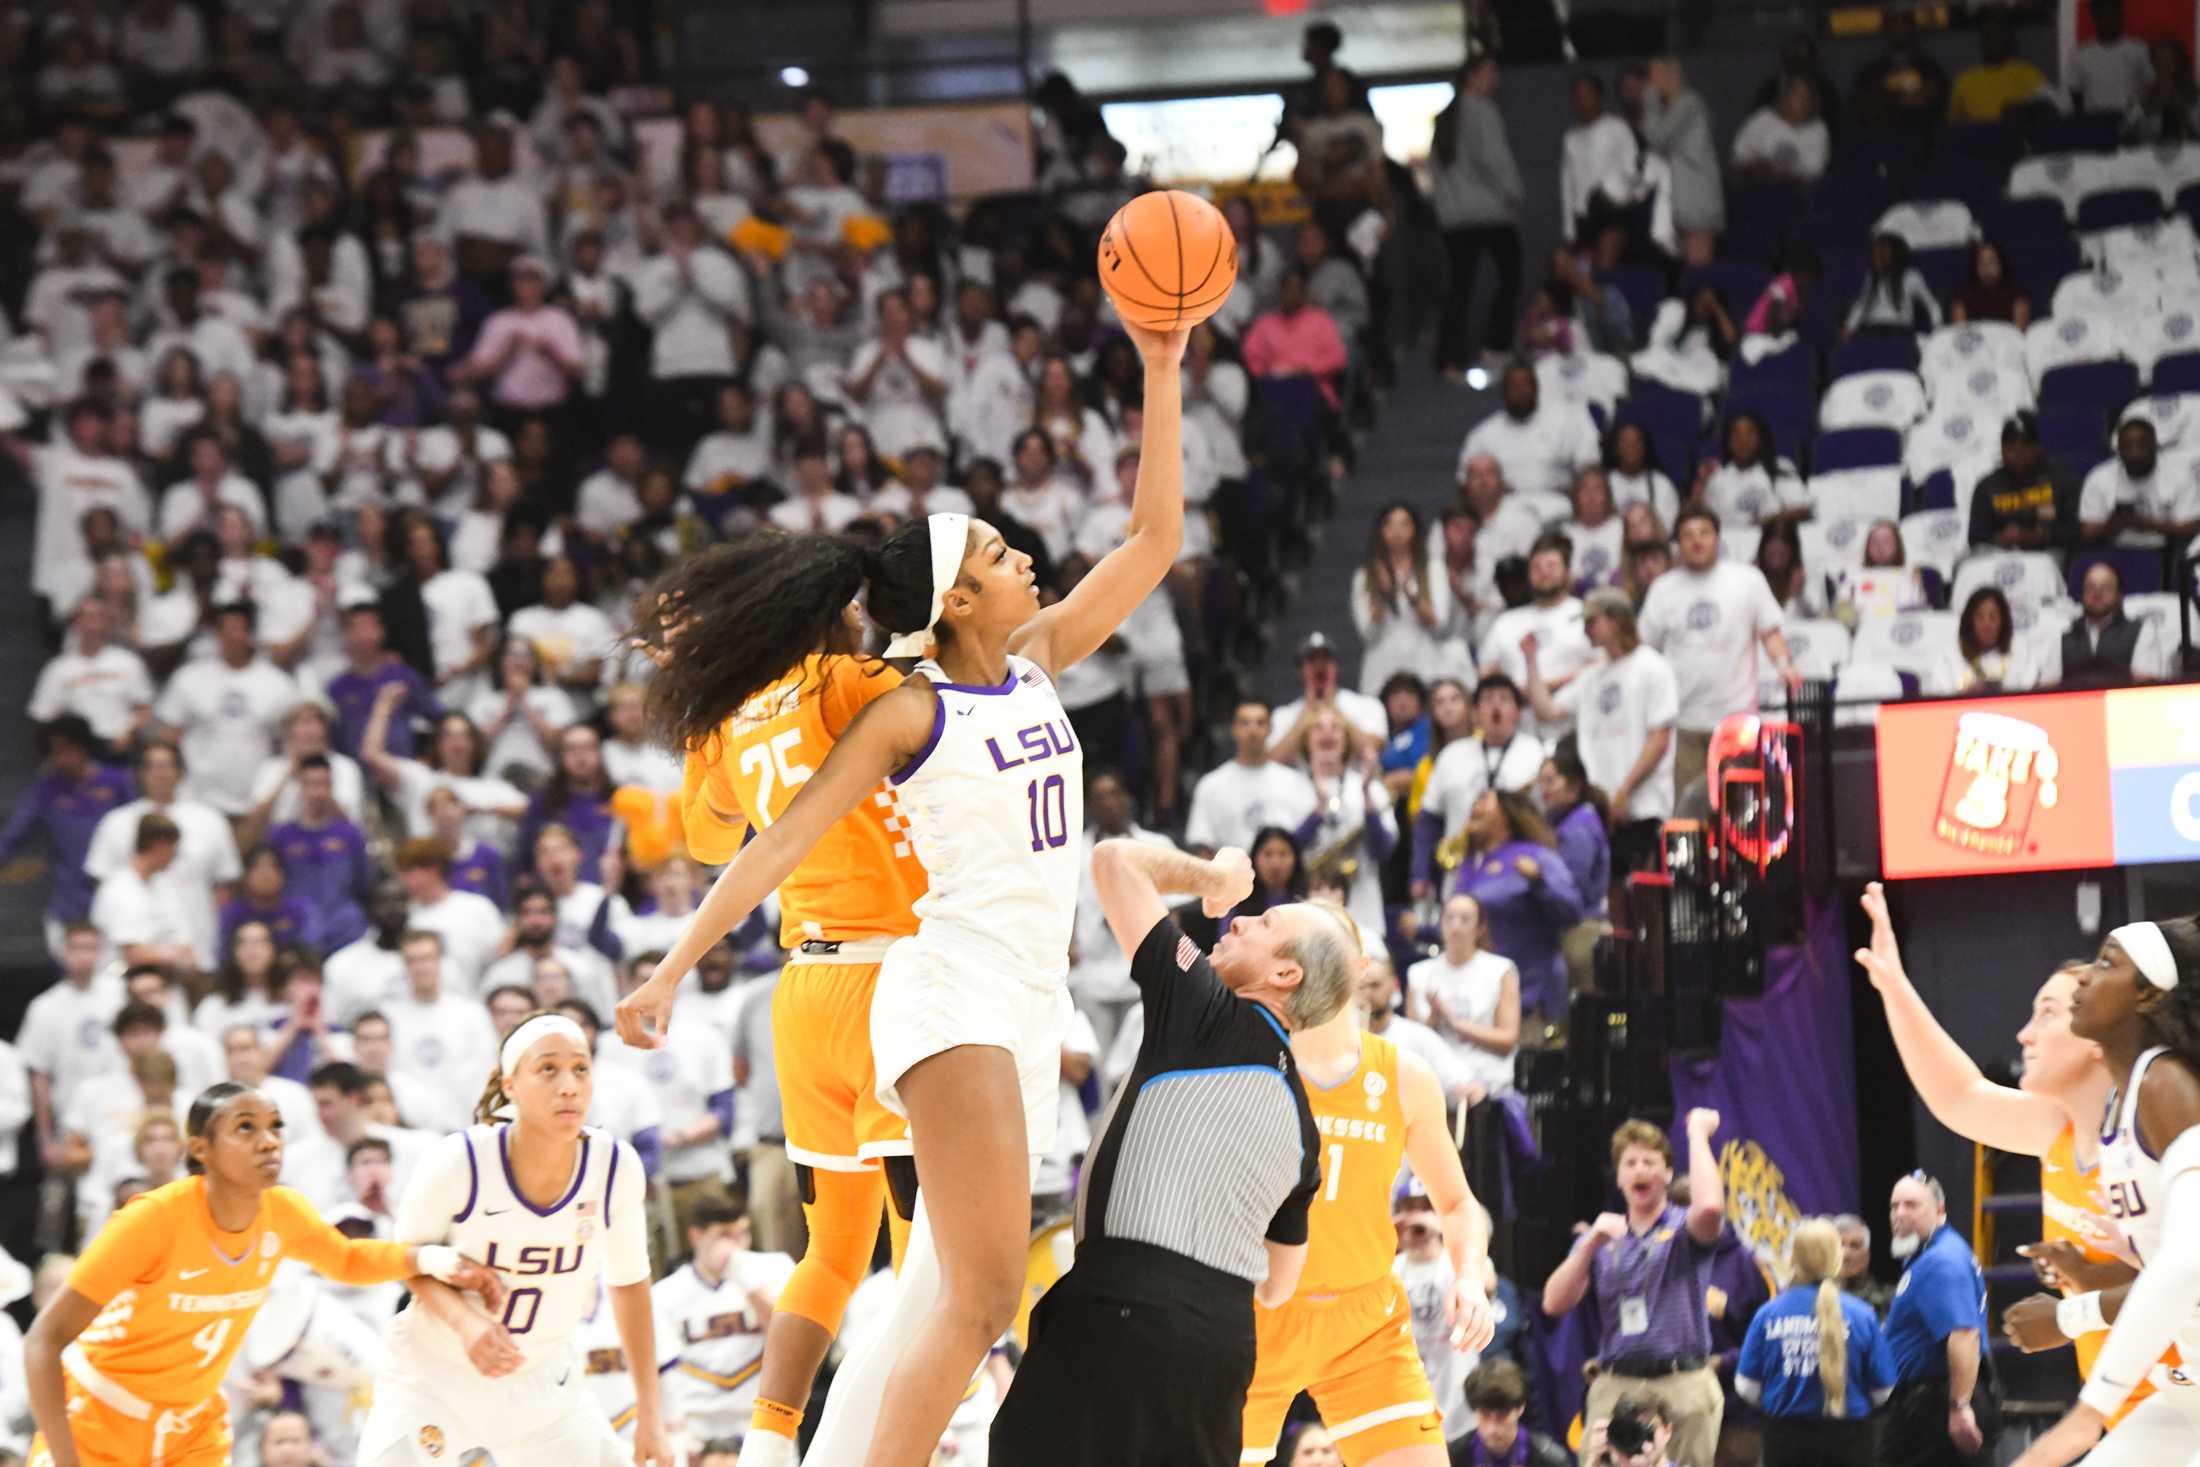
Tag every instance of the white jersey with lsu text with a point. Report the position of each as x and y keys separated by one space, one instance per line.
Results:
x=996 y=804
x=719 y=1336
x=603 y=1364
x=2131 y=1178
x=550 y=1258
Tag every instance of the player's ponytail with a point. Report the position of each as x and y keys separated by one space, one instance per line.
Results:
x=1815 y=1254
x=200 y=1119
x=492 y=1097
x=736 y=617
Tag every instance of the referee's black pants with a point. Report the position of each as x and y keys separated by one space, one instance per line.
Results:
x=1820 y=1441
x=1913 y=1430
x=1139 y=1357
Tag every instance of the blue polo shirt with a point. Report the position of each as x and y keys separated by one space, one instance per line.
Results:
x=1780 y=1355
x=1942 y=1291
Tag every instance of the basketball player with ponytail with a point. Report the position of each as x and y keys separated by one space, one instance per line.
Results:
x=2139 y=1000
x=125 y=1363
x=977 y=761
x=553 y=1205
x=1815 y=1361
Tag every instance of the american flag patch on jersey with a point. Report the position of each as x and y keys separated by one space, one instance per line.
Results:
x=587 y=1208
x=1187 y=953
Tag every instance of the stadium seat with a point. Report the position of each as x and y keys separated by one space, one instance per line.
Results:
x=2164 y=607
x=1589 y=378
x=2052 y=176
x=1908 y=641
x=1786 y=371
x=1987 y=147
x=1833 y=543
x=1856 y=448
x=2038 y=262
x=1935 y=537
x=2030 y=577
x=1739 y=542
x=1958 y=348
x=2120 y=297
x=1643 y=288
x=2188 y=202
x=2179 y=373
x=1873 y=400
x=2167 y=333
x=1859 y=690
x=2077 y=439
x=2114 y=208
x=2102 y=387
x=1935 y=493
x=1819 y=645
x=2061 y=341
x=1928 y=224
x=2175 y=416
x=2077 y=132
x=1876 y=351
x=1869 y=494
x=1944 y=269
x=1760 y=220
x=1786 y=414
x=2009 y=220
x=1738 y=282
x=2139 y=566
x=1673 y=420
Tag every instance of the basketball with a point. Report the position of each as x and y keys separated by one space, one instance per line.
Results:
x=1167 y=260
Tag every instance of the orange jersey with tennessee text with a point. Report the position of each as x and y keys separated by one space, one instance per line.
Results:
x=2067 y=1215
x=1362 y=1124
x=862 y=877
x=176 y=1294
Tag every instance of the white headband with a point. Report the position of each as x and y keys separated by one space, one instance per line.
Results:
x=2149 y=952
x=539 y=1028
x=948 y=533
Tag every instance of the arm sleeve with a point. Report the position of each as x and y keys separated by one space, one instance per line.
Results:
x=625 y=1221
x=28 y=812
x=1945 y=1304
x=132 y=1248
x=329 y=1253
x=441 y=1191
x=2162 y=1298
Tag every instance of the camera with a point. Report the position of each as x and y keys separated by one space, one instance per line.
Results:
x=1631 y=1430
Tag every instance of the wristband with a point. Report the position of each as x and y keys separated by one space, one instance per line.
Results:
x=2080 y=1315
x=439 y=1261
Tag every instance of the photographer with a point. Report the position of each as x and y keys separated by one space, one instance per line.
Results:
x=1642 y=1273
x=1636 y=1434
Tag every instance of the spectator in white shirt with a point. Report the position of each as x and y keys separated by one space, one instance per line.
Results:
x=2112 y=71
x=1509 y=527
x=534 y=938
x=64 y=1034
x=736 y=455
x=1364 y=714
x=1600 y=165
x=691 y=296
x=921 y=490
x=898 y=379
x=996 y=398
x=570 y=636
x=1400 y=607
x=74 y=478
x=610 y=499
x=163 y=43
x=1633 y=471
x=1785 y=143
x=2139 y=492
x=1470 y=996
x=1539 y=447
x=1752 y=484
x=104 y=684
x=461 y=612
x=1708 y=616
x=467 y=927
x=193 y=503
x=141 y=913
x=1100 y=971
x=1552 y=617
x=1497 y=756
x=1236 y=800
x=523 y=716
x=1042 y=496
x=226 y=711
x=1624 y=705
x=440 y=1042
x=492 y=215
x=206 y=862
x=814 y=505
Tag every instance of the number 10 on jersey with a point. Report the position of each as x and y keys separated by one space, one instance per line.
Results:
x=1048 y=800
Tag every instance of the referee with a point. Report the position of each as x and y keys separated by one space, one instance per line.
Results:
x=1195 y=1194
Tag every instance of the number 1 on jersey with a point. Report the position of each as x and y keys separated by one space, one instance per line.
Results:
x=774 y=769
x=1049 y=801
x=1336 y=1170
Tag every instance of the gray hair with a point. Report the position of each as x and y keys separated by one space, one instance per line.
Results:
x=1328 y=955
x=1849 y=1222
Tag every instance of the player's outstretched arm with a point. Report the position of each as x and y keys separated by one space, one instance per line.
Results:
x=1947 y=1080
x=1466 y=1230
x=884 y=738
x=632 y=1312
x=1072 y=629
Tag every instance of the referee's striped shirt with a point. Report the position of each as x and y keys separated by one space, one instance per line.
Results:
x=1209 y=1148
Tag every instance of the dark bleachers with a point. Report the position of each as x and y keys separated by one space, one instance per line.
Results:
x=1855 y=448
x=2114 y=208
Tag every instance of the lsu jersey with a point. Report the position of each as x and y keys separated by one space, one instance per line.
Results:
x=550 y=1257
x=719 y=1337
x=2069 y=1203
x=862 y=878
x=177 y=1295
x=2131 y=1182
x=995 y=805
x=603 y=1365
x=1361 y=1124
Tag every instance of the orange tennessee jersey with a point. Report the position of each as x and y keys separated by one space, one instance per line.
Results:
x=2066 y=1208
x=1362 y=1122
x=861 y=879
x=176 y=1294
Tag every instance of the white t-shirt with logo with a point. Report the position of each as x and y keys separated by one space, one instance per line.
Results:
x=1615 y=707
x=1562 y=650
x=1232 y=803
x=1708 y=623
x=230 y=718
x=1540 y=455
x=104 y=689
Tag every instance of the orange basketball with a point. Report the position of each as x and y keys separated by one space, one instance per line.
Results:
x=1168 y=260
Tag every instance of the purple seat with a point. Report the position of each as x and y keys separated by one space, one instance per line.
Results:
x=1643 y=287
x=1787 y=371
x=1673 y=419
x=2004 y=220
x=2141 y=569
x=2114 y=208
x=1943 y=269
x=1856 y=448
x=1876 y=351
x=2038 y=263
x=2081 y=132
x=2180 y=373
x=1937 y=492
x=1738 y=282
x=1788 y=414
x=2096 y=387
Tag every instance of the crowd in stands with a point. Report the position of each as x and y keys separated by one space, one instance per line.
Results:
x=369 y=358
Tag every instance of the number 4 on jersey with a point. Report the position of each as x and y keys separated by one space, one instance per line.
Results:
x=774 y=767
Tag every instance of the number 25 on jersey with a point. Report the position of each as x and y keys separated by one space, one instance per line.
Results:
x=775 y=768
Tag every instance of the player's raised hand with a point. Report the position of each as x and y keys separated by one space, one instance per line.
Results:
x=644 y=1016
x=1233 y=881
x=1883 y=959
x=1158 y=346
